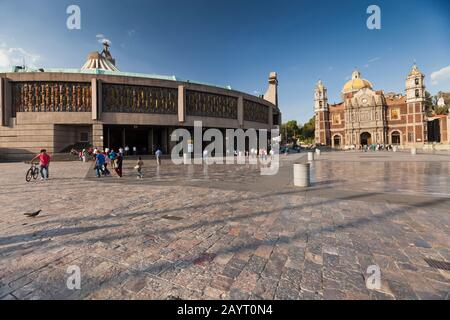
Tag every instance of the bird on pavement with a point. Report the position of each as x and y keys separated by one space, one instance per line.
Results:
x=32 y=215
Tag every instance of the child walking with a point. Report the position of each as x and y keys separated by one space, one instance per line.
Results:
x=140 y=164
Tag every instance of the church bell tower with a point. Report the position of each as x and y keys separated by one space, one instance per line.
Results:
x=415 y=100
x=322 y=128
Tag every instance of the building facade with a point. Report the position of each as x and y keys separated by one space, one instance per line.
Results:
x=100 y=106
x=367 y=116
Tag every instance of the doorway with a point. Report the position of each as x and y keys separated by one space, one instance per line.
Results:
x=337 y=141
x=395 y=138
x=366 y=139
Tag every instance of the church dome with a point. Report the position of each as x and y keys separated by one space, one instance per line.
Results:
x=100 y=61
x=356 y=83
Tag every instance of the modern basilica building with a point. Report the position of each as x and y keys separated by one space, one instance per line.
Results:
x=367 y=116
x=101 y=106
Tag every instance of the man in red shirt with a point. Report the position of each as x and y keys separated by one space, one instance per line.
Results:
x=44 y=162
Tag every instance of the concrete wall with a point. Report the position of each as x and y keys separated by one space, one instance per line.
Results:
x=66 y=135
x=21 y=141
x=25 y=133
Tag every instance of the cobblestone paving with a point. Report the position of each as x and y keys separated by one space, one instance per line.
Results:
x=225 y=232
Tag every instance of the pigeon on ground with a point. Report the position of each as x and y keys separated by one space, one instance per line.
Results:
x=34 y=214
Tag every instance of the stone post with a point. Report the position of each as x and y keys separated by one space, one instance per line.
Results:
x=302 y=173
x=94 y=107
x=6 y=108
x=241 y=111
x=310 y=156
x=97 y=136
x=2 y=102
x=181 y=104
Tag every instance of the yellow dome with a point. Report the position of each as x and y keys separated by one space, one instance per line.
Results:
x=356 y=83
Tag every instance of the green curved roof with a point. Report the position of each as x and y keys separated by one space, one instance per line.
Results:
x=117 y=73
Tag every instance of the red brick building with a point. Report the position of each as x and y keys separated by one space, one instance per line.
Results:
x=367 y=116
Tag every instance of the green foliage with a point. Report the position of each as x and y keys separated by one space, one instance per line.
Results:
x=291 y=132
x=431 y=103
x=307 y=131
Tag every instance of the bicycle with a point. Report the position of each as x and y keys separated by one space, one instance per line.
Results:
x=32 y=173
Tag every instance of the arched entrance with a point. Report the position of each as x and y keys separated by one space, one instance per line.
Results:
x=366 y=139
x=395 y=138
x=337 y=141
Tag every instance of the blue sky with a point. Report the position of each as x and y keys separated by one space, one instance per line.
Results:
x=238 y=42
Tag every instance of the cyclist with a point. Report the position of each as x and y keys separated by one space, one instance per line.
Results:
x=44 y=162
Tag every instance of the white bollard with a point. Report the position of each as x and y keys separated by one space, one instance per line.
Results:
x=186 y=158
x=310 y=156
x=302 y=175
x=413 y=151
x=318 y=152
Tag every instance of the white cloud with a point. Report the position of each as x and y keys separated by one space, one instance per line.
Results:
x=131 y=32
x=374 y=59
x=440 y=75
x=102 y=39
x=10 y=57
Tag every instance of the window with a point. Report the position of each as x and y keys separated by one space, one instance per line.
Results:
x=84 y=137
x=337 y=118
x=417 y=93
x=417 y=81
x=395 y=114
x=320 y=103
x=410 y=136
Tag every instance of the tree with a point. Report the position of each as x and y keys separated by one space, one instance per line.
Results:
x=431 y=103
x=307 y=130
x=290 y=131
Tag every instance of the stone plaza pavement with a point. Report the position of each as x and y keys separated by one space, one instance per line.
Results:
x=225 y=232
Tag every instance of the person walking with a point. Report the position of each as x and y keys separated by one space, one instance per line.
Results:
x=118 y=166
x=112 y=156
x=99 y=164
x=44 y=162
x=158 y=154
x=127 y=150
x=84 y=155
x=138 y=167
x=121 y=152
x=106 y=172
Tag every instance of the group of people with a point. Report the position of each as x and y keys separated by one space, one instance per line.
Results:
x=114 y=160
x=103 y=160
x=377 y=147
x=108 y=157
